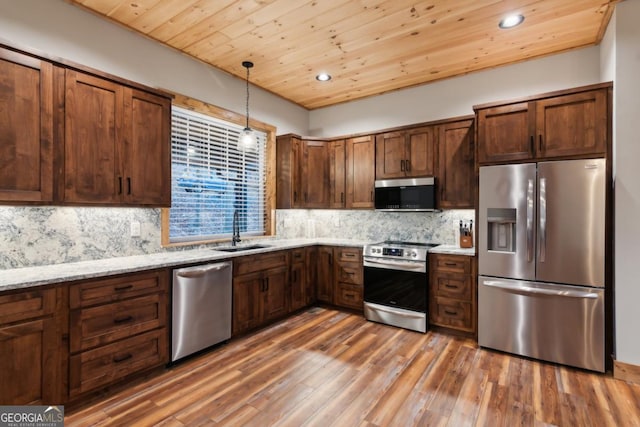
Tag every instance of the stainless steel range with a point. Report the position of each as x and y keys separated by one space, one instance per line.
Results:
x=396 y=283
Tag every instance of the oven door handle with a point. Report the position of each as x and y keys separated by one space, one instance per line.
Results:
x=406 y=266
x=402 y=313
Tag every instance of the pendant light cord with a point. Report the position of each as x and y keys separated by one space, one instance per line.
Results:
x=247 y=65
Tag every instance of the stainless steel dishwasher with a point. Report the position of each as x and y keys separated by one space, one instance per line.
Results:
x=201 y=305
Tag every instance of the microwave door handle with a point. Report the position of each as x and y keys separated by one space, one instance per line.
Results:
x=543 y=220
x=530 y=221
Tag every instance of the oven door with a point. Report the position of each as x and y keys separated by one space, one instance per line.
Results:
x=396 y=283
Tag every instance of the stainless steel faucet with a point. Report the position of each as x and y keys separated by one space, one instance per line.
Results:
x=236 y=228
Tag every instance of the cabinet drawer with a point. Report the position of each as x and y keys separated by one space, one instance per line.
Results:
x=451 y=313
x=451 y=285
x=116 y=289
x=94 y=326
x=251 y=264
x=297 y=255
x=349 y=272
x=451 y=263
x=96 y=368
x=27 y=305
x=349 y=296
x=349 y=255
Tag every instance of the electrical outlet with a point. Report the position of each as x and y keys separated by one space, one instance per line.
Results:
x=134 y=229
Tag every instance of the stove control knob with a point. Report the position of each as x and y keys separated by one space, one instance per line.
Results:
x=414 y=254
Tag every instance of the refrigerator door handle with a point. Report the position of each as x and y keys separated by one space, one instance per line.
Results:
x=527 y=290
x=530 y=221
x=543 y=220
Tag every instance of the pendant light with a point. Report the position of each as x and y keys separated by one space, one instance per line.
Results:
x=247 y=140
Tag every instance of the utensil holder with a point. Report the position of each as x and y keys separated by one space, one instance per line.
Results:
x=466 y=241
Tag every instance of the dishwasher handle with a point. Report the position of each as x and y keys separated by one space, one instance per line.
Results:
x=202 y=270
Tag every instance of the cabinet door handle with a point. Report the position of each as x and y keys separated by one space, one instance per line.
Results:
x=294 y=279
x=531 y=147
x=123 y=287
x=401 y=165
x=306 y=198
x=266 y=285
x=330 y=259
x=540 y=142
x=125 y=319
x=451 y=313
x=341 y=197
x=119 y=359
x=119 y=185
x=372 y=196
x=128 y=185
x=295 y=196
x=407 y=165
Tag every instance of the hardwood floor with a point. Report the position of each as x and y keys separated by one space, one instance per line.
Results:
x=324 y=367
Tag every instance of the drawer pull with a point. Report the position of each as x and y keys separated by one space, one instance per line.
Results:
x=120 y=359
x=350 y=295
x=450 y=286
x=124 y=319
x=451 y=313
x=349 y=255
x=451 y=264
x=123 y=288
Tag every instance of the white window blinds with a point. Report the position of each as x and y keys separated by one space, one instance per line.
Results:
x=211 y=179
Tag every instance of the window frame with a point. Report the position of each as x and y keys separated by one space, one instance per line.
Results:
x=270 y=168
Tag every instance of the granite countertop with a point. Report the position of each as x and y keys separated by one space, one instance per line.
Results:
x=26 y=277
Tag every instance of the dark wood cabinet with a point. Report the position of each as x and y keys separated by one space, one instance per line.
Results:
x=324 y=274
x=301 y=278
x=261 y=290
x=117 y=142
x=118 y=327
x=339 y=278
x=32 y=348
x=406 y=153
x=348 y=277
x=360 y=172
x=303 y=173
x=75 y=136
x=337 y=174
x=565 y=124
x=26 y=128
x=452 y=292
x=456 y=177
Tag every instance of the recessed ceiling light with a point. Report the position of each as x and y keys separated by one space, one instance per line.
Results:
x=323 y=77
x=511 y=21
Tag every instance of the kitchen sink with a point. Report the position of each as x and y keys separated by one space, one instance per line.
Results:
x=239 y=248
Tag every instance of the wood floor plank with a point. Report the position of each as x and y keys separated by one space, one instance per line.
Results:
x=331 y=368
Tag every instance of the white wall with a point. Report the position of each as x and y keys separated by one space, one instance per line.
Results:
x=58 y=28
x=456 y=96
x=626 y=68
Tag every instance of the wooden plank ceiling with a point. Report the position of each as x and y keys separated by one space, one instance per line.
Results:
x=368 y=46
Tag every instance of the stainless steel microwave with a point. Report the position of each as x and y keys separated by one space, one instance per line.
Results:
x=406 y=194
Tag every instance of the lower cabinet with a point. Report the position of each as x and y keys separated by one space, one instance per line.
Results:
x=452 y=296
x=31 y=348
x=117 y=327
x=260 y=289
x=339 y=278
x=302 y=278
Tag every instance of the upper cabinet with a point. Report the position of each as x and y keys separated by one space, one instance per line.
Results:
x=406 y=153
x=567 y=124
x=116 y=143
x=337 y=174
x=303 y=173
x=70 y=137
x=26 y=128
x=456 y=176
x=360 y=172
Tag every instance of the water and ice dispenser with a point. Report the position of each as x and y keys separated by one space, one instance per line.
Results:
x=501 y=229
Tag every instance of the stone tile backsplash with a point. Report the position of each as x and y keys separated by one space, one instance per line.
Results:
x=31 y=236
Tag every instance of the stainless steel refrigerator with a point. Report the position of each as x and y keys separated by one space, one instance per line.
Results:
x=541 y=261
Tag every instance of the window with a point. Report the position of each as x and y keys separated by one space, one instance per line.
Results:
x=211 y=179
